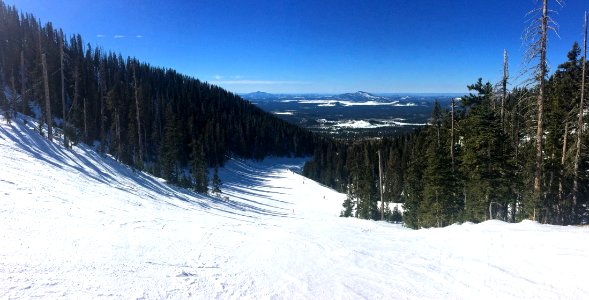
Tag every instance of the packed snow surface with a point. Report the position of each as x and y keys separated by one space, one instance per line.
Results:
x=76 y=224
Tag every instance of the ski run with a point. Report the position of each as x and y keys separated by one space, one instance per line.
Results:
x=77 y=224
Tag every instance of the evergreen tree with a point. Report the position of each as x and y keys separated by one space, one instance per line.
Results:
x=216 y=183
x=170 y=170
x=396 y=216
x=348 y=207
x=199 y=168
x=485 y=162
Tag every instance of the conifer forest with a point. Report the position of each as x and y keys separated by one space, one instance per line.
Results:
x=496 y=153
x=153 y=119
x=500 y=152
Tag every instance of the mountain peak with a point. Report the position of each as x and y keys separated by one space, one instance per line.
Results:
x=360 y=96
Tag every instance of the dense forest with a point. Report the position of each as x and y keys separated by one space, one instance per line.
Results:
x=493 y=154
x=153 y=119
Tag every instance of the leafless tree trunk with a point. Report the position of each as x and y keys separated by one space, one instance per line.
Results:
x=504 y=85
x=380 y=187
x=63 y=110
x=137 y=111
x=102 y=88
x=23 y=89
x=537 y=35
x=452 y=135
x=562 y=164
x=85 y=121
x=540 y=101
x=76 y=89
x=118 y=133
x=580 y=122
x=47 y=100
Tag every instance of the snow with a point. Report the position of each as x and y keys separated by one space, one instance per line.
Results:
x=76 y=224
x=332 y=103
x=285 y=113
x=363 y=124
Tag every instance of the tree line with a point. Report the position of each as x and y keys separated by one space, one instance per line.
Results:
x=496 y=153
x=154 y=119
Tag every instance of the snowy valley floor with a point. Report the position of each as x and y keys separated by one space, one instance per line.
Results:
x=75 y=224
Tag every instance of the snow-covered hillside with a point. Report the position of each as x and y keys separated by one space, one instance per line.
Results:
x=75 y=224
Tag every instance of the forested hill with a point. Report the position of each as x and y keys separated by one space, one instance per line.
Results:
x=476 y=162
x=151 y=118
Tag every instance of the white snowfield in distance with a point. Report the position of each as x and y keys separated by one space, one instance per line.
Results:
x=76 y=224
x=335 y=102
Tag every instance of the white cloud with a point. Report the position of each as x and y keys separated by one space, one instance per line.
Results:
x=139 y=36
x=100 y=36
x=218 y=77
x=119 y=36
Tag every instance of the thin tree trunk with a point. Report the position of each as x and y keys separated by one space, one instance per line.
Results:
x=63 y=110
x=516 y=147
x=562 y=166
x=452 y=135
x=137 y=112
x=504 y=83
x=580 y=124
x=76 y=93
x=118 y=133
x=102 y=88
x=14 y=98
x=85 y=121
x=23 y=87
x=380 y=187
x=47 y=100
x=540 y=104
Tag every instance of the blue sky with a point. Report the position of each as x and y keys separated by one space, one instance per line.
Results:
x=298 y=46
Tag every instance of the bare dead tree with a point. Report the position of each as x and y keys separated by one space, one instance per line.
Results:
x=380 y=186
x=504 y=86
x=47 y=99
x=452 y=134
x=63 y=110
x=580 y=121
x=537 y=36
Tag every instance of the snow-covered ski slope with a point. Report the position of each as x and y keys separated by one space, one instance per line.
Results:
x=75 y=224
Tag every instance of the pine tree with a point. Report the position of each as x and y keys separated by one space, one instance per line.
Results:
x=216 y=182
x=562 y=98
x=348 y=207
x=169 y=159
x=485 y=162
x=6 y=107
x=396 y=216
x=199 y=168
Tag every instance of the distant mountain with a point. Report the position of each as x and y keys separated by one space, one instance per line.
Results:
x=357 y=96
x=360 y=96
x=259 y=96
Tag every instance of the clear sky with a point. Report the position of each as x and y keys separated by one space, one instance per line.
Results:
x=323 y=46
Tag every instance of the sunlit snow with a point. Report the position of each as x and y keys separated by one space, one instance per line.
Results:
x=76 y=224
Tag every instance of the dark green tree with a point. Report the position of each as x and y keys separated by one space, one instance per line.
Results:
x=199 y=168
x=217 y=182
